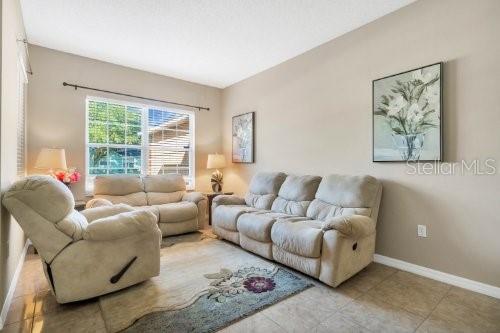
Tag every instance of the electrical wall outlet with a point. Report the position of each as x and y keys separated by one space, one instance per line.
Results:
x=422 y=230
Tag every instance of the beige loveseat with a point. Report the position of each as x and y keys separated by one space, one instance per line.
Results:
x=84 y=254
x=323 y=227
x=165 y=196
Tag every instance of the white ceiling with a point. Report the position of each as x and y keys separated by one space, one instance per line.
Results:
x=213 y=42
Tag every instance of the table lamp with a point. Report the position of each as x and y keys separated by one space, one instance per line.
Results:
x=51 y=159
x=216 y=161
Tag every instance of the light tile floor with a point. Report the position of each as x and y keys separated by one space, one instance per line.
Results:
x=378 y=299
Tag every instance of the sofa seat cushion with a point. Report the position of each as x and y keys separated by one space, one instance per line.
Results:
x=226 y=216
x=177 y=211
x=256 y=226
x=303 y=238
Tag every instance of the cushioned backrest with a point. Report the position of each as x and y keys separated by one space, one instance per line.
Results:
x=38 y=203
x=263 y=189
x=296 y=194
x=127 y=189
x=118 y=185
x=164 y=183
x=48 y=197
x=345 y=195
x=162 y=189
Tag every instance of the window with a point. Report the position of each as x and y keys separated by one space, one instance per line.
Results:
x=21 y=119
x=126 y=138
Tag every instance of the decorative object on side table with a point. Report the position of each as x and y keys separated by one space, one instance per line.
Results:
x=211 y=197
x=54 y=161
x=407 y=116
x=216 y=161
x=243 y=138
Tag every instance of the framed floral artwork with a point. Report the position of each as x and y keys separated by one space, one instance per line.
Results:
x=407 y=110
x=243 y=138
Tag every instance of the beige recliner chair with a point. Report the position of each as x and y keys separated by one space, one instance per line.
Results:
x=86 y=254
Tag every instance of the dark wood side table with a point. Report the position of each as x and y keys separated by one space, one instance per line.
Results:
x=211 y=197
x=80 y=205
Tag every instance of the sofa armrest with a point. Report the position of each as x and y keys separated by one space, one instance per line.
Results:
x=228 y=200
x=355 y=226
x=121 y=226
x=194 y=197
x=97 y=202
x=93 y=214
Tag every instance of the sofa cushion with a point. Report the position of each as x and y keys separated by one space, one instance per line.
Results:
x=256 y=226
x=226 y=216
x=344 y=195
x=296 y=194
x=164 y=183
x=160 y=198
x=177 y=211
x=303 y=238
x=132 y=199
x=263 y=189
x=320 y=210
x=117 y=185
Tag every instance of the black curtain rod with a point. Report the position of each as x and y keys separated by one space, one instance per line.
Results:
x=76 y=86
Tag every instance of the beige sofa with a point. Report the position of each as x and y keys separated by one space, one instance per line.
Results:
x=177 y=211
x=323 y=227
x=86 y=254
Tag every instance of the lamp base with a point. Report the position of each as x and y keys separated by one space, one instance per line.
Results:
x=216 y=181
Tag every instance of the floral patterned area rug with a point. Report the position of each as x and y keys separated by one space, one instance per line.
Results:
x=232 y=296
x=204 y=284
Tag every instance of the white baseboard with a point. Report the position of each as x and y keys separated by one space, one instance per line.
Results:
x=13 y=284
x=454 y=280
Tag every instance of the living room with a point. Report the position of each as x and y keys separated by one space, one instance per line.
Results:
x=250 y=166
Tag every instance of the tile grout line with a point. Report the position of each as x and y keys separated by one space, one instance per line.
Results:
x=434 y=308
x=362 y=293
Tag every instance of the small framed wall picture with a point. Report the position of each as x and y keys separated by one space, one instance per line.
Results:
x=243 y=138
x=407 y=110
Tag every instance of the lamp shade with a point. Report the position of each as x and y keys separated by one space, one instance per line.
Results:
x=216 y=161
x=51 y=159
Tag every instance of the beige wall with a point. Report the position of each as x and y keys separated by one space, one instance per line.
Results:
x=11 y=236
x=313 y=116
x=57 y=118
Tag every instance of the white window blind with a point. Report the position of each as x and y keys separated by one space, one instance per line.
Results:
x=21 y=120
x=116 y=143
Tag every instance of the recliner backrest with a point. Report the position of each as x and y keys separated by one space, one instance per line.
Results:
x=44 y=208
x=295 y=195
x=135 y=190
x=127 y=189
x=161 y=189
x=346 y=195
x=263 y=189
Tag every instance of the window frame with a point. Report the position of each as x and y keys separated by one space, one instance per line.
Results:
x=144 y=147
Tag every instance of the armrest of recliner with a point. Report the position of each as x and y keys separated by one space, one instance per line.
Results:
x=93 y=214
x=355 y=226
x=121 y=226
x=194 y=197
x=227 y=200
